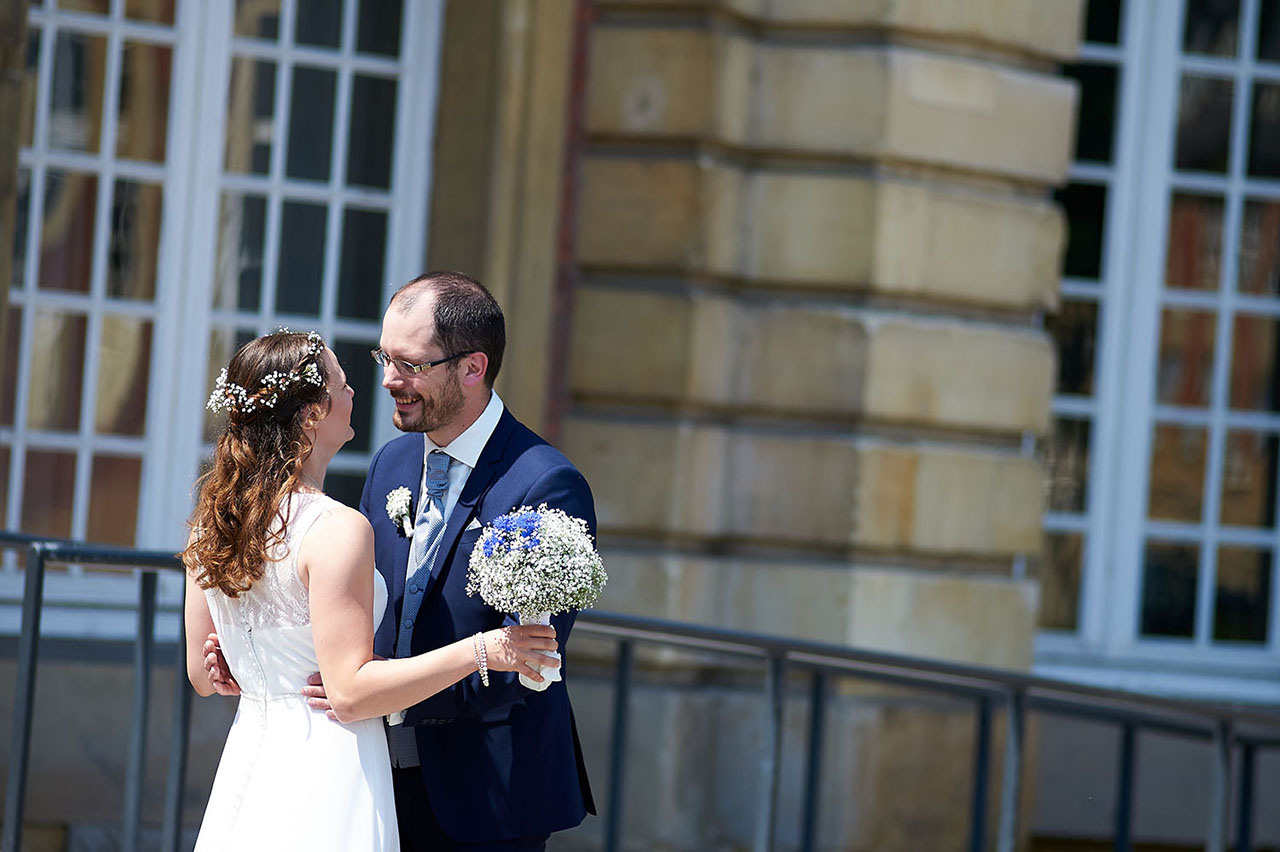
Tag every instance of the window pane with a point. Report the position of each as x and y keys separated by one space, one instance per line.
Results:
x=4 y=486
x=1204 y=123
x=353 y=355
x=57 y=349
x=9 y=367
x=66 y=244
x=155 y=11
x=1177 y=473
x=1102 y=21
x=1085 y=207
x=47 y=486
x=22 y=211
x=1060 y=581
x=1185 y=368
x=372 y=131
x=344 y=487
x=379 y=27
x=1195 y=242
x=30 y=81
x=1253 y=363
x=75 y=104
x=1264 y=153
x=1169 y=589
x=113 y=500
x=258 y=19
x=1269 y=31
x=364 y=241
x=1210 y=27
x=311 y=123
x=1260 y=248
x=1243 y=592
x=1249 y=479
x=1096 y=122
x=251 y=101
x=1074 y=329
x=319 y=23
x=144 y=101
x=124 y=358
x=1066 y=463
x=96 y=7
x=301 y=270
x=242 y=227
x=135 y=241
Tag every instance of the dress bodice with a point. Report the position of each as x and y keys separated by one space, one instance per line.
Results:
x=265 y=633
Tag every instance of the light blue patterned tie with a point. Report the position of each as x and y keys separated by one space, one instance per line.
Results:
x=428 y=529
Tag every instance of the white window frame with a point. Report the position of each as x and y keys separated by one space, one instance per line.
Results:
x=99 y=605
x=1106 y=649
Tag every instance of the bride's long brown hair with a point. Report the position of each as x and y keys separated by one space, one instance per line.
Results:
x=256 y=464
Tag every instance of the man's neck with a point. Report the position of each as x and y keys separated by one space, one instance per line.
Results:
x=447 y=434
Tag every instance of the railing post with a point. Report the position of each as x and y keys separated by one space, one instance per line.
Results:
x=981 y=774
x=1011 y=786
x=1124 y=790
x=135 y=771
x=771 y=759
x=24 y=697
x=618 y=766
x=175 y=783
x=1220 y=791
x=1244 y=817
x=813 y=775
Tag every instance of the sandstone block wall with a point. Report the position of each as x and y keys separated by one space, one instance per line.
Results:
x=814 y=242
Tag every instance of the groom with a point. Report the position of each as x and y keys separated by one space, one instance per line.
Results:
x=475 y=766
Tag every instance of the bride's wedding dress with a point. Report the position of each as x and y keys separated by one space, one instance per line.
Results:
x=289 y=777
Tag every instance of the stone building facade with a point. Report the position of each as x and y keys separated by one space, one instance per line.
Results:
x=783 y=277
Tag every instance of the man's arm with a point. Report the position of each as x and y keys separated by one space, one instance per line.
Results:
x=561 y=488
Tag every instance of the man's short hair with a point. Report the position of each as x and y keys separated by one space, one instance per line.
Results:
x=467 y=318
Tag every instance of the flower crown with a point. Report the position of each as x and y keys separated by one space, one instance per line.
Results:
x=233 y=398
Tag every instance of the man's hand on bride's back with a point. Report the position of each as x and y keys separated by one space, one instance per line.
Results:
x=216 y=666
x=317 y=698
x=516 y=649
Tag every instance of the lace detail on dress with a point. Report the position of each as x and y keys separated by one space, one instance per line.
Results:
x=279 y=599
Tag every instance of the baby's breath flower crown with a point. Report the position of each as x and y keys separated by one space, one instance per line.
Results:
x=234 y=399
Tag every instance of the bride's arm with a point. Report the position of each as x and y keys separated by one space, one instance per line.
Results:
x=199 y=624
x=336 y=562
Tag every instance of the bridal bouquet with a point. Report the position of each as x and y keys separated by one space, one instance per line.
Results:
x=536 y=562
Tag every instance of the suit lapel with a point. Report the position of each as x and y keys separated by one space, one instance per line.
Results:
x=481 y=478
x=400 y=544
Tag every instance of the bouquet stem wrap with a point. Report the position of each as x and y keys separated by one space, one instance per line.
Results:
x=550 y=674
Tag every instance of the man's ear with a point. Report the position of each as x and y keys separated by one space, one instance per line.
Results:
x=474 y=366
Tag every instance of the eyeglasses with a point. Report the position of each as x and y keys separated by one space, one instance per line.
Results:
x=384 y=360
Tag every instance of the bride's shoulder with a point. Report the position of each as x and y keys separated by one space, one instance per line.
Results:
x=337 y=530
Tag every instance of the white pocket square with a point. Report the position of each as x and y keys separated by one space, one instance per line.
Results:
x=474 y=525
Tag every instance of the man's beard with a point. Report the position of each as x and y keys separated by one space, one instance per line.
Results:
x=434 y=414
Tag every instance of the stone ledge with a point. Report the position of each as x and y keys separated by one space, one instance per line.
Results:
x=712 y=484
x=884 y=104
x=825 y=231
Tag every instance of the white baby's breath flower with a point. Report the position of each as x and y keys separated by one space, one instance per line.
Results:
x=532 y=561
x=398 y=508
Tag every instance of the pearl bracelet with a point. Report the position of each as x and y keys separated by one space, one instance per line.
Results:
x=482 y=657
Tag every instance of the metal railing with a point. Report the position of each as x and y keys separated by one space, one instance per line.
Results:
x=1226 y=726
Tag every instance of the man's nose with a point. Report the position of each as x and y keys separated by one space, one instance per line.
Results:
x=391 y=377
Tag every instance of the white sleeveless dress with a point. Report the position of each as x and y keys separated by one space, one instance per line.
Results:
x=289 y=777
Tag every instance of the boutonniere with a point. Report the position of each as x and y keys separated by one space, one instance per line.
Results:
x=398 y=509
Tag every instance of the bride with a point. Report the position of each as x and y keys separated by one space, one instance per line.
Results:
x=284 y=575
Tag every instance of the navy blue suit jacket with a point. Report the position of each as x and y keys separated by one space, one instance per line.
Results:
x=498 y=762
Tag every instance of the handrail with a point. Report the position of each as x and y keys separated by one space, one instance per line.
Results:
x=1225 y=724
